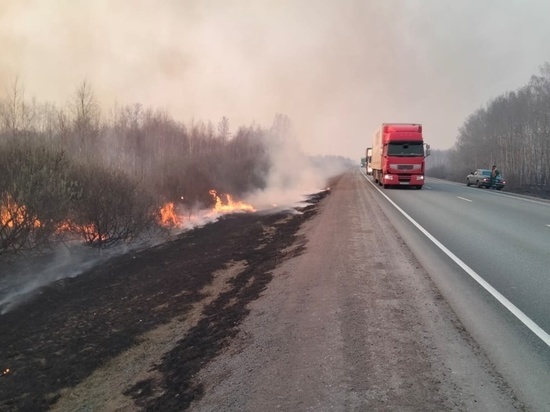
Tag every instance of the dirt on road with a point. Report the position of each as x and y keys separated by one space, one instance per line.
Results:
x=306 y=309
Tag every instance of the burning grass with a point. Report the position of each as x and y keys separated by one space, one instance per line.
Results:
x=171 y=217
x=102 y=226
x=80 y=325
x=13 y=215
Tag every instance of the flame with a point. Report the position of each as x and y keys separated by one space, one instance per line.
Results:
x=230 y=205
x=12 y=214
x=65 y=227
x=89 y=231
x=169 y=217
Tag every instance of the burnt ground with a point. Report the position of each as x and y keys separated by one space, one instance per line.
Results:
x=74 y=326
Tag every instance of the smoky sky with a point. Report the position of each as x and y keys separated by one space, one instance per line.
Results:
x=336 y=68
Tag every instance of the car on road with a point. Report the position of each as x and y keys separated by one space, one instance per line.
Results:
x=482 y=178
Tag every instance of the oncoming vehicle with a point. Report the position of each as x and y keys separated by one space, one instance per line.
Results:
x=482 y=178
x=398 y=155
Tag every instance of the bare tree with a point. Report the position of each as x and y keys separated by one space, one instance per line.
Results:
x=223 y=128
x=513 y=130
x=282 y=126
x=15 y=113
x=85 y=118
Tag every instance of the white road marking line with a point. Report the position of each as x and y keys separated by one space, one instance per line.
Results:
x=498 y=192
x=463 y=198
x=521 y=198
x=536 y=329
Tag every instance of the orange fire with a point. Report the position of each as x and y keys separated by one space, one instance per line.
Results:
x=89 y=231
x=11 y=214
x=169 y=217
x=230 y=206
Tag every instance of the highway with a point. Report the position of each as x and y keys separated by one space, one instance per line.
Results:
x=489 y=253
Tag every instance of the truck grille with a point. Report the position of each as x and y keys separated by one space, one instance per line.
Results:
x=403 y=167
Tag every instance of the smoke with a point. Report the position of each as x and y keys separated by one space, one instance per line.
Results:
x=338 y=69
x=293 y=175
x=21 y=279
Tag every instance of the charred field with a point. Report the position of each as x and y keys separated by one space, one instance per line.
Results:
x=73 y=327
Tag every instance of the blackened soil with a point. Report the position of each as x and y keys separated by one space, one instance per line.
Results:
x=73 y=326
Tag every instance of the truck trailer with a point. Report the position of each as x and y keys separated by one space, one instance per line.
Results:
x=398 y=153
x=369 y=161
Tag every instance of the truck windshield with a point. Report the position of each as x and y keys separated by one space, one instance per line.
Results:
x=405 y=149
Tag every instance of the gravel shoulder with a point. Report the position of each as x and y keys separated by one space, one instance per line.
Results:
x=354 y=323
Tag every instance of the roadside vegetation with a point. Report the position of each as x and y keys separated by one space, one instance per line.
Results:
x=75 y=173
x=511 y=131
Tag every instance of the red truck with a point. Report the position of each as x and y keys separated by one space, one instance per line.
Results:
x=398 y=153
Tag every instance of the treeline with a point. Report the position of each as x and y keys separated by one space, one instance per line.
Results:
x=513 y=132
x=74 y=170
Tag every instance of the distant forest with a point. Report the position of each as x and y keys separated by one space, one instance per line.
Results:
x=513 y=132
x=104 y=177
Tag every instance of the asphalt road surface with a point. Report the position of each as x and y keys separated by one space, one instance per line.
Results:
x=355 y=323
x=492 y=265
x=502 y=237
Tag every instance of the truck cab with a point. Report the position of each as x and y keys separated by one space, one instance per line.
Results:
x=398 y=155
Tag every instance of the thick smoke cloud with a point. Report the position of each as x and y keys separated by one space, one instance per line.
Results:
x=336 y=68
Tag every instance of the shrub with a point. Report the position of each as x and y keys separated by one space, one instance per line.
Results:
x=35 y=194
x=112 y=208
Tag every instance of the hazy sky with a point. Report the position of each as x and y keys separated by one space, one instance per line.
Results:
x=337 y=68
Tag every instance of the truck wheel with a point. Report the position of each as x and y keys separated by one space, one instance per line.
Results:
x=479 y=184
x=419 y=187
x=467 y=182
